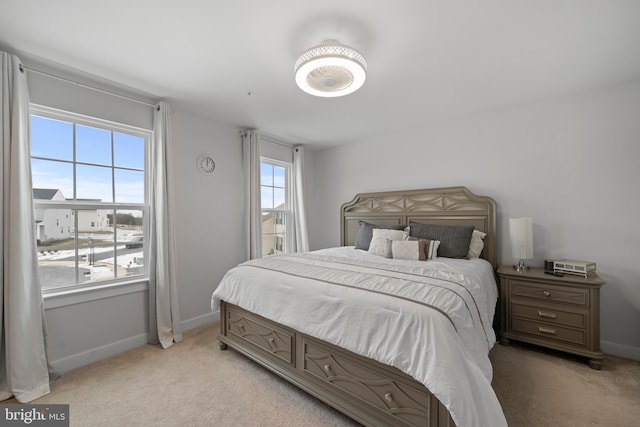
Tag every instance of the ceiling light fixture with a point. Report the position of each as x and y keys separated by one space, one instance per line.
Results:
x=330 y=69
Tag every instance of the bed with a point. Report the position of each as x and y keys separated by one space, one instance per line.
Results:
x=386 y=341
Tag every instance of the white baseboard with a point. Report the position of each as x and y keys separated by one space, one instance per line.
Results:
x=76 y=361
x=620 y=350
x=79 y=360
x=200 y=320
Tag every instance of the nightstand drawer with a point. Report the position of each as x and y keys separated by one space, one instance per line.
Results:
x=573 y=336
x=546 y=292
x=549 y=314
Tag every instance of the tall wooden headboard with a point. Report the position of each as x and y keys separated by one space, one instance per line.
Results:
x=450 y=205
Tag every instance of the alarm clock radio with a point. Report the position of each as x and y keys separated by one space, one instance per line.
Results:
x=580 y=268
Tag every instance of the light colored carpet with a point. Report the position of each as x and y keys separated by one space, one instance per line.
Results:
x=194 y=383
x=540 y=387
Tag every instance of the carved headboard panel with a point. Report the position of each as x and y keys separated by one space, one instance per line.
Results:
x=450 y=205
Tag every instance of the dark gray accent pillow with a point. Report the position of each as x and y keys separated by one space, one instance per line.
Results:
x=454 y=239
x=365 y=233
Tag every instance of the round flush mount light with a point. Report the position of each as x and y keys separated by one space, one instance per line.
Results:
x=330 y=69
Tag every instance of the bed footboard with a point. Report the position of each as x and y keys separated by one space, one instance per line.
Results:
x=363 y=389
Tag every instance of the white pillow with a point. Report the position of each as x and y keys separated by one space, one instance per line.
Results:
x=406 y=249
x=430 y=246
x=379 y=238
x=476 y=245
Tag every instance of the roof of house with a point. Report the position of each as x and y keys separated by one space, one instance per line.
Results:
x=44 y=193
x=49 y=193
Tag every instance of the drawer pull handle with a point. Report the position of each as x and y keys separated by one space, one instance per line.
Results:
x=271 y=340
x=327 y=369
x=546 y=330
x=547 y=315
x=388 y=397
x=546 y=293
x=240 y=326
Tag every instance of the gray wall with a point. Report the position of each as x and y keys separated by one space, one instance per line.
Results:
x=87 y=327
x=570 y=163
x=208 y=210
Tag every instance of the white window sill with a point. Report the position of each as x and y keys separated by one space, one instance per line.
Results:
x=65 y=297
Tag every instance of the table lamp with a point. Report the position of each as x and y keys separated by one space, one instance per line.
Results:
x=521 y=233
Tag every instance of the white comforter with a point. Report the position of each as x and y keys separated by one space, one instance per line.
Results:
x=430 y=319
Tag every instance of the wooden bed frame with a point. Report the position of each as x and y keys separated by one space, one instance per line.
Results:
x=367 y=391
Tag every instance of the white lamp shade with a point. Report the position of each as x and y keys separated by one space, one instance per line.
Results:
x=521 y=233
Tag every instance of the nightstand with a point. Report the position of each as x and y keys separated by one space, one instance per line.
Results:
x=562 y=313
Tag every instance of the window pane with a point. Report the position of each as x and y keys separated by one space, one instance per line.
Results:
x=128 y=224
x=53 y=175
x=268 y=244
x=129 y=186
x=280 y=221
x=128 y=151
x=92 y=220
x=55 y=234
x=266 y=197
x=266 y=174
x=95 y=245
x=54 y=227
x=130 y=248
x=278 y=176
x=267 y=223
x=279 y=245
x=94 y=183
x=278 y=198
x=93 y=145
x=51 y=138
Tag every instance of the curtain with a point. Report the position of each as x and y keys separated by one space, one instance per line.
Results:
x=164 y=315
x=253 y=209
x=301 y=240
x=23 y=361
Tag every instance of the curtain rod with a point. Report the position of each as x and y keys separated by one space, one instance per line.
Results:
x=275 y=141
x=33 y=70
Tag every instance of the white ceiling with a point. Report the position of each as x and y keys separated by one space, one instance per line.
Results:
x=428 y=59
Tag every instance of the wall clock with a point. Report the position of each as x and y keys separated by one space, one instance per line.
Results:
x=205 y=164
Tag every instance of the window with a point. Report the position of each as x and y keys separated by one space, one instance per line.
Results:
x=88 y=178
x=276 y=207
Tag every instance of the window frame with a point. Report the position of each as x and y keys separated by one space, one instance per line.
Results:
x=77 y=205
x=288 y=211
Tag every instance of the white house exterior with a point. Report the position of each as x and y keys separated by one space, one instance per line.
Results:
x=52 y=224
x=274 y=230
x=93 y=220
x=56 y=224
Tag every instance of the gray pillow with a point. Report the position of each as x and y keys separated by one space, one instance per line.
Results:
x=454 y=239
x=365 y=233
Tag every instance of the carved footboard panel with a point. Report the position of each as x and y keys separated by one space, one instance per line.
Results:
x=367 y=391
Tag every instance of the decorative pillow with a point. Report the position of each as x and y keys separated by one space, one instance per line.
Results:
x=405 y=249
x=454 y=239
x=476 y=245
x=379 y=238
x=430 y=247
x=365 y=233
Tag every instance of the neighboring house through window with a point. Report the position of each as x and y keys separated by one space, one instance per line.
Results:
x=276 y=206
x=89 y=181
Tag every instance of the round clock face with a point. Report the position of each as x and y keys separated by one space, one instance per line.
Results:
x=206 y=165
